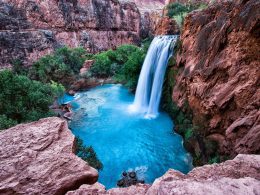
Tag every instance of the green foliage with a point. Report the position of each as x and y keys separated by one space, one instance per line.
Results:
x=102 y=65
x=188 y=134
x=18 y=68
x=73 y=57
x=178 y=11
x=88 y=154
x=124 y=64
x=58 y=89
x=5 y=122
x=61 y=67
x=129 y=72
x=22 y=99
x=215 y=159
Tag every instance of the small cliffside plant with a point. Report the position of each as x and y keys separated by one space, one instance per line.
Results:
x=88 y=154
x=178 y=11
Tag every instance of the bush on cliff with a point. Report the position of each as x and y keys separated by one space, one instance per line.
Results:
x=124 y=64
x=62 y=67
x=24 y=100
x=178 y=11
x=88 y=154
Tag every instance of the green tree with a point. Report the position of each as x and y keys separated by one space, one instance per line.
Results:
x=88 y=154
x=62 y=67
x=23 y=100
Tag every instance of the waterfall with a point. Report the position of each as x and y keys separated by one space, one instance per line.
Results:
x=149 y=88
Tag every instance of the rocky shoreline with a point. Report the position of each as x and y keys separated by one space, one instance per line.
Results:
x=38 y=158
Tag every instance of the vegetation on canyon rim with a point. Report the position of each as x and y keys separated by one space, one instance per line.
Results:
x=178 y=11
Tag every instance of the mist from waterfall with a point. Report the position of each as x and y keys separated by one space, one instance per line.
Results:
x=149 y=88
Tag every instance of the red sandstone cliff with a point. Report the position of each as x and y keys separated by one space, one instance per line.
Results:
x=31 y=29
x=219 y=74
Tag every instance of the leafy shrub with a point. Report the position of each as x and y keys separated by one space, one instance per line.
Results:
x=61 y=67
x=124 y=64
x=178 y=11
x=88 y=154
x=215 y=159
x=23 y=100
x=188 y=134
x=129 y=72
x=5 y=122
x=102 y=65
x=17 y=67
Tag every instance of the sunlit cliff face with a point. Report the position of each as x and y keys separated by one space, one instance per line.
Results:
x=149 y=5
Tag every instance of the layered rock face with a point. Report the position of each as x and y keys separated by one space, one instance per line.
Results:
x=30 y=29
x=234 y=177
x=38 y=158
x=148 y=5
x=192 y=1
x=219 y=66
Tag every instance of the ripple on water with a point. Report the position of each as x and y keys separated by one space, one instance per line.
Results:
x=125 y=140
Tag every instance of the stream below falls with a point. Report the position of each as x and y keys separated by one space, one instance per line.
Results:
x=125 y=140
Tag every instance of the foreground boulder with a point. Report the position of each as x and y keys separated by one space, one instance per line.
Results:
x=233 y=177
x=38 y=158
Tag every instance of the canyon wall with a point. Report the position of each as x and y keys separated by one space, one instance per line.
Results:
x=38 y=158
x=31 y=29
x=219 y=75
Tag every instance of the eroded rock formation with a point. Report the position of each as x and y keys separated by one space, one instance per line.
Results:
x=219 y=66
x=234 y=177
x=31 y=29
x=38 y=158
x=148 y=5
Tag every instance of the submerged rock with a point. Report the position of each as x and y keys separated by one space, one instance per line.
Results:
x=128 y=179
x=38 y=158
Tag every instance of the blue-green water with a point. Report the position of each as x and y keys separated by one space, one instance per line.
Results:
x=124 y=140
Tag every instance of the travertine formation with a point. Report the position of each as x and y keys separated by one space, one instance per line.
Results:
x=31 y=29
x=234 y=177
x=219 y=74
x=38 y=158
x=148 y=5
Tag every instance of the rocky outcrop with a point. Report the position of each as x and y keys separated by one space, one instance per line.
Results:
x=238 y=176
x=192 y=1
x=148 y=5
x=234 y=177
x=38 y=158
x=31 y=29
x=166 y=26
x=219 y=67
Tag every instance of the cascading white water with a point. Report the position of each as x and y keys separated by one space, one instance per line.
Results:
x=149 y=88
